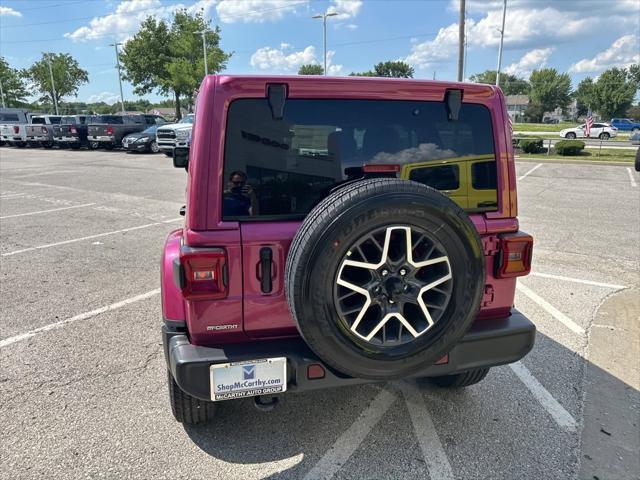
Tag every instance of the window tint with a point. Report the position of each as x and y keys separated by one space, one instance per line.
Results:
x=37 y=121
x=484 y=175
x=109 y=119
x=55 y=120
x=285 y=167
x=9 y=117
x=444 y=177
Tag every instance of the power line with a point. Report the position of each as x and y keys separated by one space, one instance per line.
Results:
x=51 y=6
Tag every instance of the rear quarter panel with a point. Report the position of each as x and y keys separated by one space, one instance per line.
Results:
x=172 y=301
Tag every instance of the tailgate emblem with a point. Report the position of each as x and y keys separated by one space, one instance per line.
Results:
x=248 y=372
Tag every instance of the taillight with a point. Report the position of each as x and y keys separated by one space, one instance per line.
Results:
x=109 y=130
x=201 y=273
x=43 y=129
x=16 y=129
x=381 y=168
x=72 y=129
x=514 y=255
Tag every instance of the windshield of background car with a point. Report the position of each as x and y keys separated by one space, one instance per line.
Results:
x=283 y=168
x=187 y=119
x=109 y=119
x=151 y=129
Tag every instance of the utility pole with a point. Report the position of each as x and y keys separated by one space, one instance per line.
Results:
x=115 y=45
x=504 y=16
x=53 y=85
x=461 y=40
x=204 y=50
x=2 y=95
x=324 y=37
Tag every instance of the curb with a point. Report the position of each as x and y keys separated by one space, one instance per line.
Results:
x=572 y=161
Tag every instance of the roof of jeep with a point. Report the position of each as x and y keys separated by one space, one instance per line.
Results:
x=330 y=84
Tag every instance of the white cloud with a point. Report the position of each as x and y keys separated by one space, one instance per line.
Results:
x=126 y=19
x=256 y=11
x=9 y=12
x=530 y=61
x=345 y=8
x=106 y=97
x=282 y=59
x=204 y=5
x=529 y=24
x=421 y=153
x=622 y=53
x=287 y=60
x=617 y=6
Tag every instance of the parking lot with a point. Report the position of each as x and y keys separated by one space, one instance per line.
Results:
x=83 y=380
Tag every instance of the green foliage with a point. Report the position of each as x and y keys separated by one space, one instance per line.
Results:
x=168 y=58
x=311 y=70
x=634 y=112
x=13 y=86
x=510 y=84
x=549 y=90
x=569 y=147
x=530 y=145
x=394 y=69
x=583 y=95
x=67 y=77
x=534 y=112
x=612 y=94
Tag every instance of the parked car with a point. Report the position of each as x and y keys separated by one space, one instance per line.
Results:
x=174 y=134
x=40 y=131
x=315 y=255
x=625 y=124
x=550 y=120
x=109 y=130
x=13 y=123
x=144 y=141
x=603 y=131
x=72 y=131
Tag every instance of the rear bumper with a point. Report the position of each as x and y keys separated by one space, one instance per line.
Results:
x=488 y=343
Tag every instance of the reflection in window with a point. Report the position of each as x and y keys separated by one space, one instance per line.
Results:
x=443 y=177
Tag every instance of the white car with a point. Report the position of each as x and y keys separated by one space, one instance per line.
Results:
x=603 y=131
x=174 y=135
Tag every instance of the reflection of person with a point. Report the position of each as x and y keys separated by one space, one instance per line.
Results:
x=239 y=198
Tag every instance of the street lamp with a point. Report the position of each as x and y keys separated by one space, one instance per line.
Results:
x=115 y=45
x=504 y=16
x=204 y=50
x=53 y=85
x=324 y=27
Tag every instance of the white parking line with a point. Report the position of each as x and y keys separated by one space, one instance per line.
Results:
x=530 y=171
x=46 y=211
x=98 y=235
x=578 y=280
x=551 y=405
x=351 y=439
x=432 y=450
x=82 y=316
x=550 y=309
x=631 y=179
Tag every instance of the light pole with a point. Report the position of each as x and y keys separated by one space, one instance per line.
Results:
x=504 y=16
x=204 y=50
x=461 y=40
x=53 y=85
x=115 y=45
x=324 y=36
x=2 y=95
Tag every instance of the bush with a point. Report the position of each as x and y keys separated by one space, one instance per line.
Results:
x=569 y=147
x=531 y=145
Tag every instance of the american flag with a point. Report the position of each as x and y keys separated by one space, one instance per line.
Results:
x=589 y=124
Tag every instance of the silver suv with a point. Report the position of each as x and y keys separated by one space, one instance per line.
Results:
x=174 y=135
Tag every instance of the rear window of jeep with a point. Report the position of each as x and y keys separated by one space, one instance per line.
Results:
x=280 y=169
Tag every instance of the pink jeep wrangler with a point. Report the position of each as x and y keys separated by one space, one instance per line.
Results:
x=341 y=231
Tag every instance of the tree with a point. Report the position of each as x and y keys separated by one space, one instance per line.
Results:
x=510 y=84
x=583 y=95
x=613 y=93
x=395 y=69
x=13 y=86
x=549 y=90
x=67 y=77
x=311 y=70
x=634 y=112
x=168 y=58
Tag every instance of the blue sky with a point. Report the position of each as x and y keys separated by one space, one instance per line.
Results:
x=583 y=37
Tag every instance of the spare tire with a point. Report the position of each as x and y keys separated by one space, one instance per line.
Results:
x=384 y=277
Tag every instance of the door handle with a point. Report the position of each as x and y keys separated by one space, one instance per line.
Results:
x=266 y=258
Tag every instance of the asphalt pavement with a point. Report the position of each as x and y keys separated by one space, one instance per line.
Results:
x=83 y=389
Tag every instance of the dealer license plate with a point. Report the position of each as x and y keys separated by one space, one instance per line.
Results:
x=248 y=379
